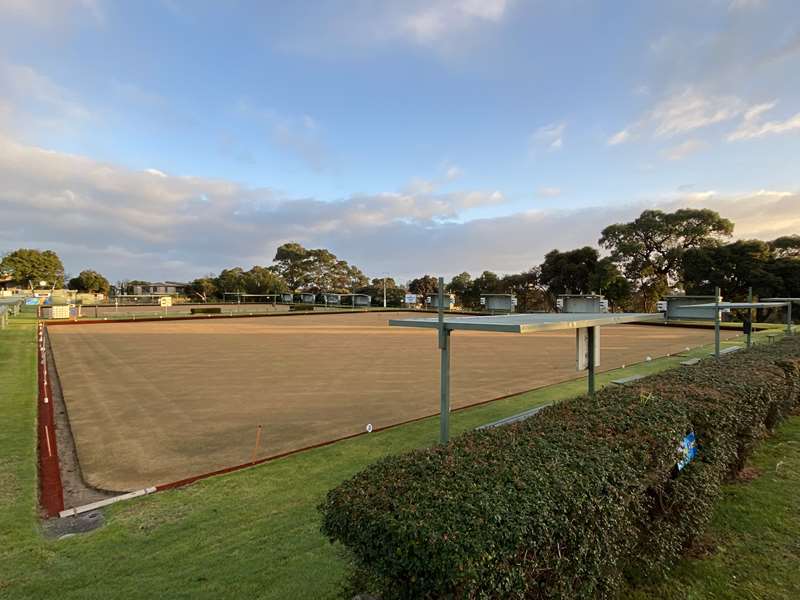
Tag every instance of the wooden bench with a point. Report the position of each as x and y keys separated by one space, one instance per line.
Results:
x=627 y=380
x=690 y=362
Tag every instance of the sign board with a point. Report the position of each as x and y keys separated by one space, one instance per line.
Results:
x=582 y=346
x=513 y=300
x=687 y=450
x=60 y=311
x=661 y=306
x=483 y=301
x=165 y=301
x=559 y=303
x=428 y=300
x=604 y=305
x=410 y=299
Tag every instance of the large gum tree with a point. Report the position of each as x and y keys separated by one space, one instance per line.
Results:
x=650 y=249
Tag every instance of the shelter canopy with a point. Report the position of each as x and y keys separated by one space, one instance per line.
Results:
x=528 y=322
x=723 y=305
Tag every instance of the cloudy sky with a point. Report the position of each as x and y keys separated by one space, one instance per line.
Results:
x=169 y=139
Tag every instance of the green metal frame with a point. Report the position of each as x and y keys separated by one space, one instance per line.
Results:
x=514 y=323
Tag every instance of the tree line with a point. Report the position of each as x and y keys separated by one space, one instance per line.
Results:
x=653 y=255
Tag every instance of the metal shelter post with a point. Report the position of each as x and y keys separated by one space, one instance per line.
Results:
x=444 y=392
x=716 y=321
x=789 y=318
x=750 y=314
x=591 y=351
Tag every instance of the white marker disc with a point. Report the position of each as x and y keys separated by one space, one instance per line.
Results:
x=369 y=427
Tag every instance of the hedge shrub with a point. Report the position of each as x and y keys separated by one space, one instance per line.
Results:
x=206 y=310
x=566 y=504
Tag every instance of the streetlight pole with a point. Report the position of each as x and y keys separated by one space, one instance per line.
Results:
x=384 y=290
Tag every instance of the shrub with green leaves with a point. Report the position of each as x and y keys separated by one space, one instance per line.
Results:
x=568 y=503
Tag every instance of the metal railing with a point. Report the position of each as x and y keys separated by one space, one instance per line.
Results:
x=9 y=307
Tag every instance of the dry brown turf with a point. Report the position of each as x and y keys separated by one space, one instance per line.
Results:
x=156 y=402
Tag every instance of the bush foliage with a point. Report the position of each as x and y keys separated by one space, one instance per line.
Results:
x=206 y=310
x=570 y=502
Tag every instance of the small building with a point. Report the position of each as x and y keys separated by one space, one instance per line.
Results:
x=329 y=299
x=677 y=311
x=449 y=301
x=357 y=300
x=582 y=303
x=286 y=298
x=499 y=303
x=8 y=283
x=306 y=297
x=160 y=288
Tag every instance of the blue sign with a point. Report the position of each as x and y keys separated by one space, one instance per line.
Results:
x=687 y=450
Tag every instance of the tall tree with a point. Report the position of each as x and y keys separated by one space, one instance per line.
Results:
x=261 y=280
x=316 y=270
x=424 y=286
x=394 y=294
x=460 y=284
x=231 y=280
x=91 y=282
x=608 y=280
x=29 y=267
x=525 y=286
x=650 y=248
x=290 y=263
x=203 y=288
x=787 y=246
x=570 y=272
x=734 y=268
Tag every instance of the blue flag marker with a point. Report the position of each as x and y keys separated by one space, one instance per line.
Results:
x=688 y=450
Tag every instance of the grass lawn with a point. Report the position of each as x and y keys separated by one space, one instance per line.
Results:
x=255 y=533
x=754 y=539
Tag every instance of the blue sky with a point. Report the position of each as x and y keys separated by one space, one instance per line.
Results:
x=168 y=139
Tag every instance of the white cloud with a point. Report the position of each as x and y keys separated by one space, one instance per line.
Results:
x=453 y=172
x=299 y=134
x=620 y=137
x=141 y=224
x=447 y=28
x=551 y=135
x=692 y=109
x=434 y=20
x=549 y=192
x=752 y=125
x=684 y=149
x=761 y=214
x=52 y=13
x=74 y=202
x=746 y=4
x=33 y=101
x=683 y=112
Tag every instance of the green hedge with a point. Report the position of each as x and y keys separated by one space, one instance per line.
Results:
x=205 y=310
x=566 y=504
